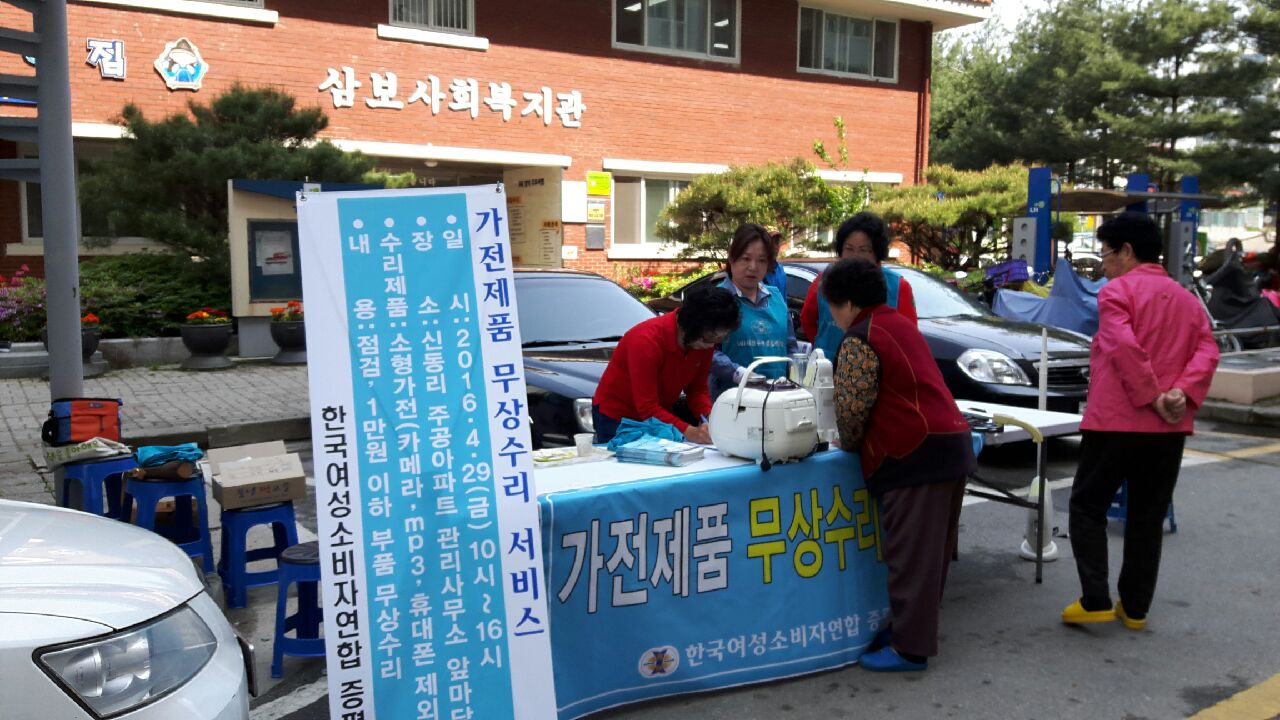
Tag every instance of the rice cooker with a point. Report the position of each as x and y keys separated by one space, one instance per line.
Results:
x=773 y=419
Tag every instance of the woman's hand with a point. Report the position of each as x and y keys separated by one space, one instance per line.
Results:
x=1171 y=405
x=700 y=434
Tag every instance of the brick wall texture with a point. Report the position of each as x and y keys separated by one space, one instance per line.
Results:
x=639 y=106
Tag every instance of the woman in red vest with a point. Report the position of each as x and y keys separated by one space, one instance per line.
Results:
x=893 y=408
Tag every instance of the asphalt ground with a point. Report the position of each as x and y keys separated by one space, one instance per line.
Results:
x=1213 y=636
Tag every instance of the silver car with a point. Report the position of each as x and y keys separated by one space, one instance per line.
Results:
x=100 y=619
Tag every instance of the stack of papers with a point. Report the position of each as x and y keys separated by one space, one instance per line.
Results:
x=658 y=451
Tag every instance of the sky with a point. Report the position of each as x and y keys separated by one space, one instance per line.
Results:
x=1005 y=12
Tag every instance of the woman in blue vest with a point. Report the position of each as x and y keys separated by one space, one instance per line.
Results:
x=864 y=236
x=766 y=324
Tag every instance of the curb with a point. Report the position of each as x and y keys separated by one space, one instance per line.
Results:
x=213 y=436
x=1240 y=414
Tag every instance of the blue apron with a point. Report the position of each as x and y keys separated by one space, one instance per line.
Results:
x=829 y=335
x=763 y=331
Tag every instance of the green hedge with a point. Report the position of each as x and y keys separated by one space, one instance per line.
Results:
x=141 y=295
x=149 y=294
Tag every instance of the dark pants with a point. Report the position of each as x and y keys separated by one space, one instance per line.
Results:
x=920 y=524
x=1149 y=462
x=606 y=427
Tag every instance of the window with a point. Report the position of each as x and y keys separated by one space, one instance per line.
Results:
x=455 y=16
x=93 y=226
x=638 y=202
x=842 y=45
x=691 y=28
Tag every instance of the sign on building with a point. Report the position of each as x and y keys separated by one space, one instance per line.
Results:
x=181 y=65
x=387 y=91
x=435 y=599
x=107 y=56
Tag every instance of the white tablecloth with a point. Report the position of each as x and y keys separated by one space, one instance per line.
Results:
x=1050 y=424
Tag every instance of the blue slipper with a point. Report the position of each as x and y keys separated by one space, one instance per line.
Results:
x=881 y=640
x=888 y=660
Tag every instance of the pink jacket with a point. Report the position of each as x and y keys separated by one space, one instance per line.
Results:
x=1153 y=335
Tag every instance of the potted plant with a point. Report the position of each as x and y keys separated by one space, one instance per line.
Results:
x=206 y=336
x=289 y=333
x=90 y=334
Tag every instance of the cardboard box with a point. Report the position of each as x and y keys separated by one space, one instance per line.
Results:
x=258 y=474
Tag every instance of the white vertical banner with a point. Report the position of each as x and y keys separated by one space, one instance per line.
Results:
x=433 y=582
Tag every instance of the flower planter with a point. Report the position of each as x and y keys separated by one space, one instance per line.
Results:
x=207 y=345
x=291 y=337
x=89 y=337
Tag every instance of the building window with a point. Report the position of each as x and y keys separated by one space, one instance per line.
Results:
x=690 y=28
x=455 y=16
x=850 y=46
x=638 y=203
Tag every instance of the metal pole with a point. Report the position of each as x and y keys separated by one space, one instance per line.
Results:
x=59 y=207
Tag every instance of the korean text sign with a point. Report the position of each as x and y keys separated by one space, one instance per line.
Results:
x=712 y=579
x=433 y=587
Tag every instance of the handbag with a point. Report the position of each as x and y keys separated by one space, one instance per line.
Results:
x=76 y=420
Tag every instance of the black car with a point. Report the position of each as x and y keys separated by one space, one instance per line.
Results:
x=570 y=323
x=982 y=356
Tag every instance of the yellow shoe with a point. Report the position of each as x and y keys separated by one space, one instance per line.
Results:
x=1128 y=621
x=1075 y=614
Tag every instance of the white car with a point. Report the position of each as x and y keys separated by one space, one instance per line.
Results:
x=100 y=619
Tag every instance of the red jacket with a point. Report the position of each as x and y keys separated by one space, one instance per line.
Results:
x=913 y=405
x=1152 y=336
x=648 y=371
x=809 y=313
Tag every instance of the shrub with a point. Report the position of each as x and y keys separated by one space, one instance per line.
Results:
x=21 y=307
x=648 y=286
x=149 y=294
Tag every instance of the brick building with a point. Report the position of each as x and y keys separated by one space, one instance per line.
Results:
x=542 y=95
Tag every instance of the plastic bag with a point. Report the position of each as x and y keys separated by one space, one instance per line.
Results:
x=91 y=449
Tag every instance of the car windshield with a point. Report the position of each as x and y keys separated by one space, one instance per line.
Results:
x=574 y=308
x=936 y=299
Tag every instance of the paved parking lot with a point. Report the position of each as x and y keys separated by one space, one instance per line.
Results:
x=1213 y=631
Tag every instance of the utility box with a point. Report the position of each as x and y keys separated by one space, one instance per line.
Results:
x=1024 y=240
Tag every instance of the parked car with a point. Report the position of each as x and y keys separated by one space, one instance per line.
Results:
x=982 y=356
x=102 y=619
x=570 y=323
x=1087 y=265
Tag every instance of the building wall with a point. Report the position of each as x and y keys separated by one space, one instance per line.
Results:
x=639 y=105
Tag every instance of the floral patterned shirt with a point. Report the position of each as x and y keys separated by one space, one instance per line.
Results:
x=857 y=381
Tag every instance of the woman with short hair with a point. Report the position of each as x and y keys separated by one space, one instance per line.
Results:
x=766 y=325
x=661 y=358
x=861 y=236
x=894 y=409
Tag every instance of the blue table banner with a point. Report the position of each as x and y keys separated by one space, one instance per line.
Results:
x=711 y=579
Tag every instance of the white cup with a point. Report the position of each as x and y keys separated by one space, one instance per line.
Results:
x=584 y=441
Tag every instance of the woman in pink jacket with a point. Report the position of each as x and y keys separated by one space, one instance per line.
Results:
x=1150 y=367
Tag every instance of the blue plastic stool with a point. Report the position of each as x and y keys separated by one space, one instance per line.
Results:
x=148 y=493
x=233 y=565
x=1119 y=509
x=299 y=564
x=98 y=480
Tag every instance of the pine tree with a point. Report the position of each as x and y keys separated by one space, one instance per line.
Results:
x=1179 y=75
x=789 y=196
x=167 y=181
